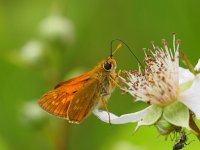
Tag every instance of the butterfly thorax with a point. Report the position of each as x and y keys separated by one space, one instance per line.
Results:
x=106 y=74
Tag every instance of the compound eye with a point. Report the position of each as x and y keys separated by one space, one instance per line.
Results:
x=107 y=66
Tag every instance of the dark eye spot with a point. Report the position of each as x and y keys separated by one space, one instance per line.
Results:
x=107 y=66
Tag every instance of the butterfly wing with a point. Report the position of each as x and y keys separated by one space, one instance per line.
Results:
x=76 y=80
x=57 y=101
x=84 y=101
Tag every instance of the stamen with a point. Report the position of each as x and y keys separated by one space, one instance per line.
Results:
x=158 y=83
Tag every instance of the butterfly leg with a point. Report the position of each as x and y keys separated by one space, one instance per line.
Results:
x=104 y=105
x=113 y=80
x=118 y=74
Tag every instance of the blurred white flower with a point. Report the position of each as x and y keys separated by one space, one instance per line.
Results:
x=31 y=52
x=170 y=90
x=57 y=27
x=31 y=112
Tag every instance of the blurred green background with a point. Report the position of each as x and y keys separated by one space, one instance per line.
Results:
x=45 y=42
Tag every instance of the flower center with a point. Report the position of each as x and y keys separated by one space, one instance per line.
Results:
x=158 y=83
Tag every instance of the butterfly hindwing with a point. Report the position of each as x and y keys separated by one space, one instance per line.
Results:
x=84 y=101
x=57 y=101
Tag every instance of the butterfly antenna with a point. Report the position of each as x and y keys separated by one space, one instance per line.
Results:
x=119 y=46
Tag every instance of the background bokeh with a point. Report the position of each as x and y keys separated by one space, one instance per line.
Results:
x=45 y=42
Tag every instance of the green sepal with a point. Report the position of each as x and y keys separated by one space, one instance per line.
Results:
x=177 y=114
x=164 y=127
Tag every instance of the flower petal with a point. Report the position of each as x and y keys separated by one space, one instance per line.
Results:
x=191 y=97
x=126 y=118
x=185 y=75
x=177 y=114
x=197 y=67
x=154 y=113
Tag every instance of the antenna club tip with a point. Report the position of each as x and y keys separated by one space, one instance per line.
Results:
x=119 y=45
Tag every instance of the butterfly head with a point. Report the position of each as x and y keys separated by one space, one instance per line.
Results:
x=109 y=64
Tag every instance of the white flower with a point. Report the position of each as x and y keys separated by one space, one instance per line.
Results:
x=31 y=52
x=31 y=112
x=197 y=67
x=171 y=91
x=57 y=26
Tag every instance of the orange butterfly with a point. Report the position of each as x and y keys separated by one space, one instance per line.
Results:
x=76 y=98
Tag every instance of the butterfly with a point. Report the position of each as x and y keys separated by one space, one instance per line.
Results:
x=76 y=98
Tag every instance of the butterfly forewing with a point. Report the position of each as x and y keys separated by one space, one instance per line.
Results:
x=75 y=81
